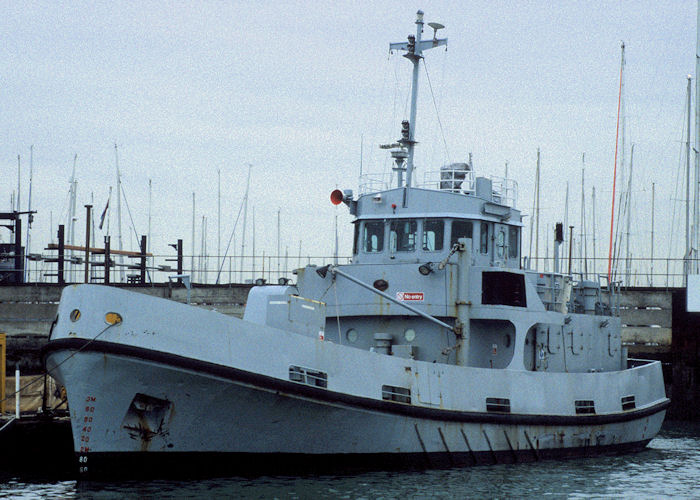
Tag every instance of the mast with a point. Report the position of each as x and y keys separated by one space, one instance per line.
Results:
x=688 y=241
x=696 y=218
x=218 y=222
x=593 y=230
x=245 y=220
x=537 y=208
x=566 y=216
x=414 y=48
x=335 y=250
x=612 y=210
x=19 y=182
x=253 y=228
x=203 y=252
x=193 y=223
x=628 y=207
x=582 y=231
x=150 y=197
x=29 y=207
x=651 y=274
x=119 y=211
x=72 y=216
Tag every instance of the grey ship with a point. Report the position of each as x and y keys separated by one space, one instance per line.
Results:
x=433 y=348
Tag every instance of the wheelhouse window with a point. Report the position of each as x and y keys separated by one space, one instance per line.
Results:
x=433 y=235
x=513 y=242
x=402 y=235
x=373 y=236
x=501 y=244
x=460 y=229
x=355 y=237
x=484 y=241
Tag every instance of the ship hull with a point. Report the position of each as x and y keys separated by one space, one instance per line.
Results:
x=139 y=412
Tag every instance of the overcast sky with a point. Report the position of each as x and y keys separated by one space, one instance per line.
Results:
x=186 y=89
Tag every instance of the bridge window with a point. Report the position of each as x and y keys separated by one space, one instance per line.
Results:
x=402 y=235
x=460 y=229
x=500 y=287
x=373 y=236
x=484 y=242
x=433 y=235
x=355 y=237
x=513 y=242
x=501 y=244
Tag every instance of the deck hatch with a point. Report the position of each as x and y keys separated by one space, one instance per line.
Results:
x=585 y=407
x=398 y=394
x=501 y=405
x=308 y=376
x=628 y=403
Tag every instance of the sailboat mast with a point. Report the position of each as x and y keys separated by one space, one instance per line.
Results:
x=593 y=231
x=218 y=223
x=696 y=220
x=651 y=272
x=150 y=199
x=193 y=223
x=688 y=241
x=119 y=211
x=628 y=207
x=537 y=208
x=72 y=216
x=245 y=220
x=582 y=229
x=29 y=207
x=19 y=182
x=617 y=134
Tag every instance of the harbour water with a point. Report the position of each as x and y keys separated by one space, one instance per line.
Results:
x=668 y=468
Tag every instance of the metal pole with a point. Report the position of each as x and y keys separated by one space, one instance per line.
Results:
x=697 y=141
x=688 y=243
x=144 y=243
x=571 y=237
x=88 y=209
x=108 y=241
x=61 y=254
x=651 y=275
x=537 y=210
x=19 y=257
x=415 y=59
x=179 y=260
x=218 y=224
x=17 y=393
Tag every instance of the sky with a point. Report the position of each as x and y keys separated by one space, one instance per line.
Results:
x=302 y=93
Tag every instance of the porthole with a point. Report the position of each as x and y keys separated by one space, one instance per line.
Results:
x=409 y=335
x=74 y=315
x=351 y=335
x=113 y=318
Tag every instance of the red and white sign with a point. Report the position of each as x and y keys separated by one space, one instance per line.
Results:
x=409 y=296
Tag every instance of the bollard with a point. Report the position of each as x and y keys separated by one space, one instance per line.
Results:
x=17 y=392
